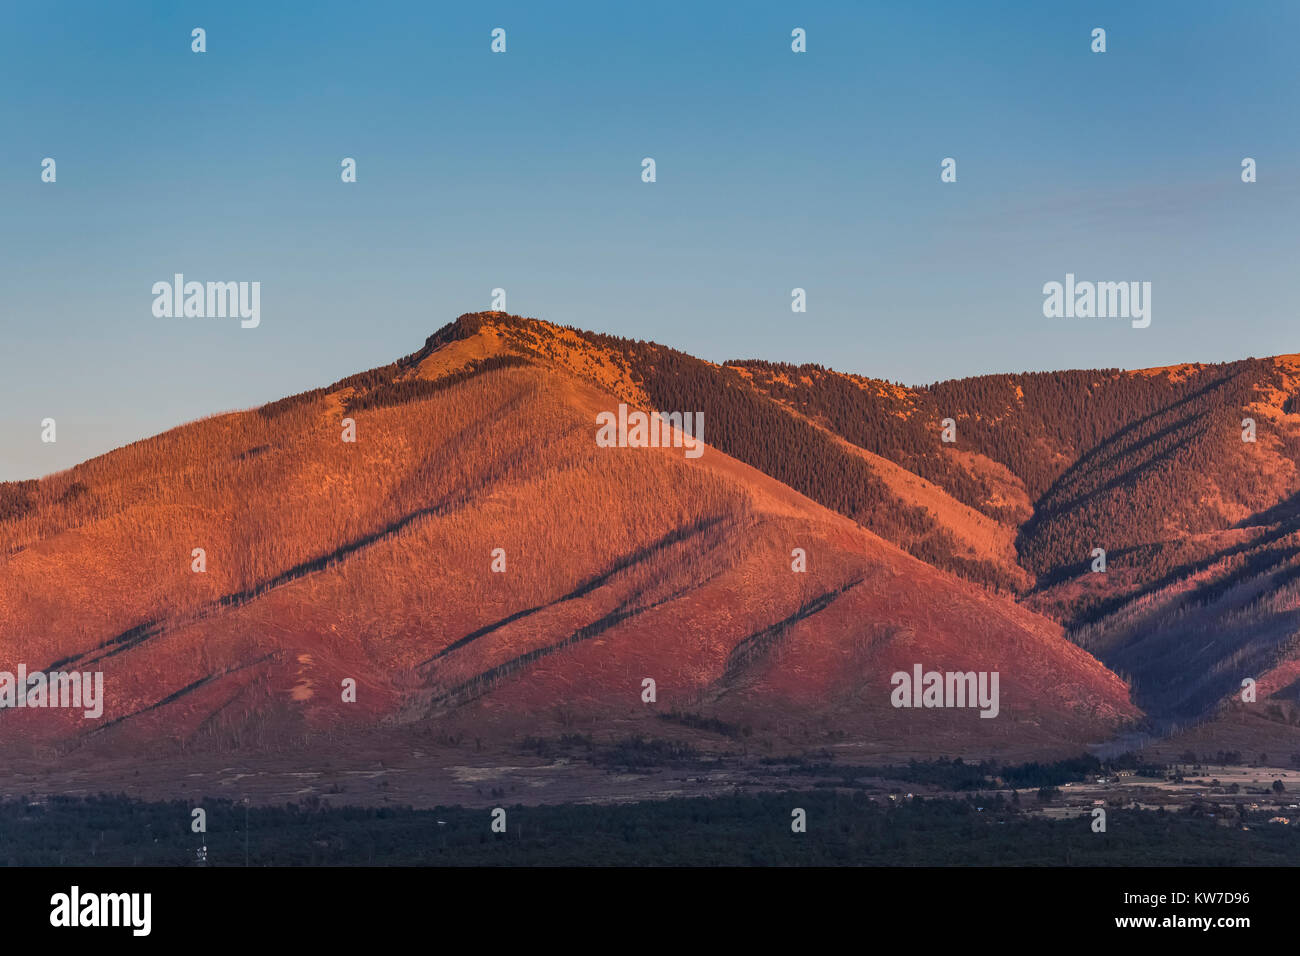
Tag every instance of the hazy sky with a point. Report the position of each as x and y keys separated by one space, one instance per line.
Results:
x=523 y=170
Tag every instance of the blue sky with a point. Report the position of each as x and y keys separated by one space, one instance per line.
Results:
x=775 y=170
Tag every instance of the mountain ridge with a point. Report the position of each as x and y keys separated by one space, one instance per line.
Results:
x=999 y=522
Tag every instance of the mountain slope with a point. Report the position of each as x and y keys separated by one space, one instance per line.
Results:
x=1148 y=465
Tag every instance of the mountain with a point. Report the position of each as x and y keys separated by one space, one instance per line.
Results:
x=1199 y=526
x=481 y=568
x=373 y=561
